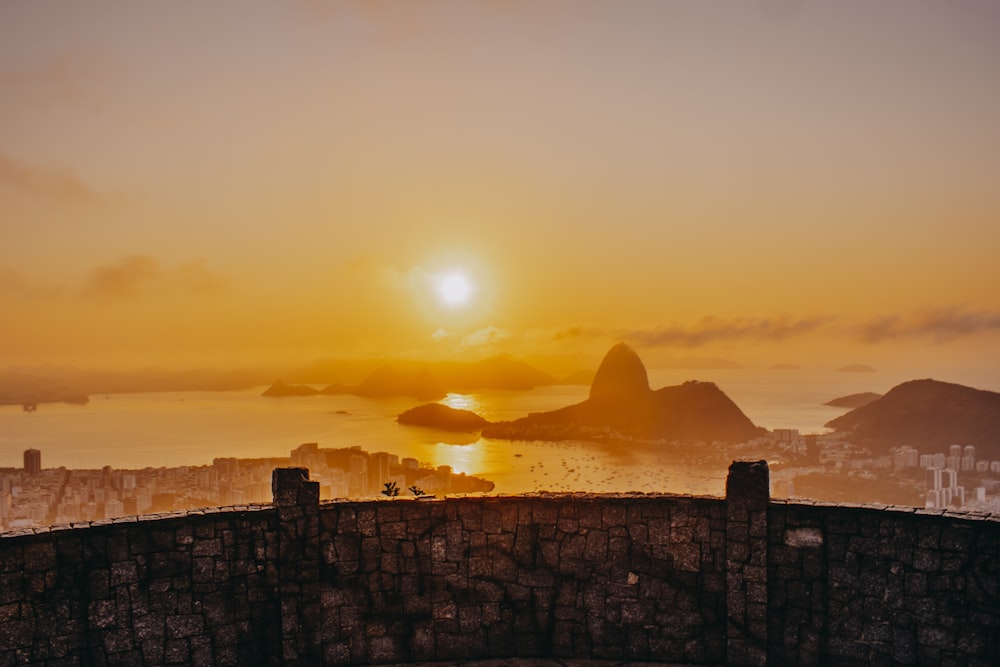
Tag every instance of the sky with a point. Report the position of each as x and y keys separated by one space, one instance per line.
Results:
x=770 y=182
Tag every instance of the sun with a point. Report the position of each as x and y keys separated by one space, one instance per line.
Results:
x=453 y=289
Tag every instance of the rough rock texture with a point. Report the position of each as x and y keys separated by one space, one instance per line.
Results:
x=742 y=581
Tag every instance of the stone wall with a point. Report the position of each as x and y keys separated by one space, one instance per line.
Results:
x=199 y=588
x=894 y=585
x=619 y=577
x=742 y=580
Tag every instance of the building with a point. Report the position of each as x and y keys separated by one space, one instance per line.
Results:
x=906 y=457
x=32 y=461
x=969 y=458
x=943 y=489
x=379 y=466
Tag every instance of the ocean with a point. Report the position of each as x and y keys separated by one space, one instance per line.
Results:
x=192 y=428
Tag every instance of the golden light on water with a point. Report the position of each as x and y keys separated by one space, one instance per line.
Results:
x=468 y=459
x=462 y=402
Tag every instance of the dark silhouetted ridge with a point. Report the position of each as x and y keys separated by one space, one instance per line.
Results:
x=854 y=400
x=622 y=404
x=280 y=390
x=436 y=415
x=928 y=415
x=621 y=375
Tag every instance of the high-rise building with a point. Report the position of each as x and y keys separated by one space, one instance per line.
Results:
x=906 y=457
x=943 y=489
x=357 y=472
x=379 y=465
x=969 y=458
x=32 y=461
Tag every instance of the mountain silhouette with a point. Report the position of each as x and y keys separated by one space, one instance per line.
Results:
x=279 y=389
x=621 y=375
x=621 y=403
x=386 y=381
x=929 y=415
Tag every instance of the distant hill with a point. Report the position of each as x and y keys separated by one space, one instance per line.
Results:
x=498 y=372
x=621 y=402
x=429 y=382
x=854 y=400
x=52 y=384
x=856 y=368
x=387 y=381
x=928 y=415
x=280 y=390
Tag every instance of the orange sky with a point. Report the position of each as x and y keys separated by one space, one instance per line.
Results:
x=776 y=181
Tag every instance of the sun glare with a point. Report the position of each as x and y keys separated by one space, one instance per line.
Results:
x=453 y=289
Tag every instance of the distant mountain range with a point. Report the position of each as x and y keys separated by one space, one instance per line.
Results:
x=67 y=384
x=60 y=383
x=435 y=380
x=622 y=403
x=856 y=368
x=928 y=415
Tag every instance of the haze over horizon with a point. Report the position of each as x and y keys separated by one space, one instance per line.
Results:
x=771 y=182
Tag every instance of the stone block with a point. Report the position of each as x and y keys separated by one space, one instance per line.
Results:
x=925 y=560
x=935 y=637
x=184 y=625
x=501 y=543
x=39 y=557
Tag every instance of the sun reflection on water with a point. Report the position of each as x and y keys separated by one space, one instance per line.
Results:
x=462 y=402
x=468 y=459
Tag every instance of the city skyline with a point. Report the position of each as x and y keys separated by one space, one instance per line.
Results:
x=773 y=182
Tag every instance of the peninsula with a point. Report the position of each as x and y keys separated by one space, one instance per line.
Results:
x=621 y=404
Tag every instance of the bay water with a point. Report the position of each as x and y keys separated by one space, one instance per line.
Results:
x=191 y=428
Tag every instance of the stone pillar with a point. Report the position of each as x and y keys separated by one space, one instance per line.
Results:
x=747 y=498
x=297 y=501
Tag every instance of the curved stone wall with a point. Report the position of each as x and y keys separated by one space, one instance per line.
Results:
x=742 y=580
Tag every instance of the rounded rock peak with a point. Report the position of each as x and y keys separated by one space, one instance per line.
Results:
x=620 y=375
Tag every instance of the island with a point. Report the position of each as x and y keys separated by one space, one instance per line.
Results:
x=436 y=415
x=854 y=400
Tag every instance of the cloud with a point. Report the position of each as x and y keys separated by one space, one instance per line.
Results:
x=706 y=331
x=941 y=325
x=125 y=278
x=142 y=274
x=48 y=183
x=392 y=20
x=13 y=283
x=485 y=336
x=78 y=77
